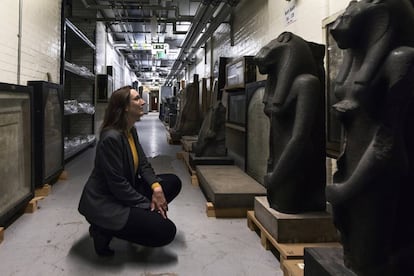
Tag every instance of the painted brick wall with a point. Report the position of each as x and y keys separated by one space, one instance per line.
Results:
x=9 y=22
x=41 y=40
x=258 y=22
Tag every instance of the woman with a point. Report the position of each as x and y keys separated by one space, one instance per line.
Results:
x=123 y=197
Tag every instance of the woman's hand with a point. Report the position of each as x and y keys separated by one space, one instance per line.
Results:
x=159 y=203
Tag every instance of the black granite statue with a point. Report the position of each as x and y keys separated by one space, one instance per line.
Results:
x=373 y=189
x=294 y=103
x=188 y=120
x=211 y=140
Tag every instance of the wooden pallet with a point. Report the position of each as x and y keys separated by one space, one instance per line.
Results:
x=63 y=175
x=293 y=268
x=287 y=251
x=45 y=190
x=1 y=234
x=225 y=212
x=32 y=205
x=184 y=155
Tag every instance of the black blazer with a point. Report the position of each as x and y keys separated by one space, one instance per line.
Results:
x=113 y=187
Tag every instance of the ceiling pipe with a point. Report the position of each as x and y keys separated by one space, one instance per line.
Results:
x=220 y=18
x=216 y=21
x=132 y=5
x=203 y=14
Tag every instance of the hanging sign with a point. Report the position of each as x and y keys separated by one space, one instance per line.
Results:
x=290 y=12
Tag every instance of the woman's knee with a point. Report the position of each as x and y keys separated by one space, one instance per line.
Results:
x=165 y=234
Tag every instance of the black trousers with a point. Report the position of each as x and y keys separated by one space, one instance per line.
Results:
x=146 y=227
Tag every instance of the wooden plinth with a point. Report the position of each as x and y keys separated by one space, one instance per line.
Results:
x=287 y=251
x=225 y=212
x=307 y=227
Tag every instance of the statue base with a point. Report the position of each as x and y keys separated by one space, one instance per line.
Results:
x=227 y=186
x=210 y=160
x=310 y=227
x=325 y=261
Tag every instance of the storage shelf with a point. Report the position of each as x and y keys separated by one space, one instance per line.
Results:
x=72 y=151
x=79 y=34
x=79 y=71
x=79 y=89
x=77 y=113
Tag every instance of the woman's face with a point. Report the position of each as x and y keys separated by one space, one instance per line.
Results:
x=135 y=109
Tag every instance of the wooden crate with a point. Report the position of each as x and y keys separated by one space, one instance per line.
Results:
x=287 y=251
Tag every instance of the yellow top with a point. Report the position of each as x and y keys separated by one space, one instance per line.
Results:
x=135 y=157
x=133 y=150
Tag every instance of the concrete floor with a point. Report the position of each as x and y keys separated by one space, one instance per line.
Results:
x=54 y=239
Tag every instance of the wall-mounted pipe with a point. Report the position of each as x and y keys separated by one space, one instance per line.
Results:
x=19 y=41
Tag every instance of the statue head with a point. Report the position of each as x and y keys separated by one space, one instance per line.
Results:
x=365 y=22
x=283 y=59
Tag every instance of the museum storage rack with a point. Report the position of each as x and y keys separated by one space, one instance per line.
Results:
x=79 y=90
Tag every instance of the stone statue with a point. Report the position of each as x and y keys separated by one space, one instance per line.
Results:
x=188 y=120
x=372 y=190
x=294 y=103
x=211 y=138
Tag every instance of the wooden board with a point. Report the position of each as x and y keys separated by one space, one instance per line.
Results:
x=1 y=234
x=287 y=251
x=63 y=175
x=184 y=155
x=225 y=212
x=293 y=268
x=45 y=190
x=32 y=205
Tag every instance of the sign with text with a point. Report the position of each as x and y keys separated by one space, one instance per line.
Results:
x=290 y=13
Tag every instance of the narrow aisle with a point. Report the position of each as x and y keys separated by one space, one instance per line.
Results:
x=54 y=240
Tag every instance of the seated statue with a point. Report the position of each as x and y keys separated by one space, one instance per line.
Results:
x=188 y=120
x=294 y=102
x=211 y=140
x=373 y=188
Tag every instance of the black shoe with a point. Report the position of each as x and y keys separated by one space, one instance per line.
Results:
x=101 y=242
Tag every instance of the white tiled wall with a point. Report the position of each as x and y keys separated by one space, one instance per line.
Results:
x=258 y=22
x=40 y=54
